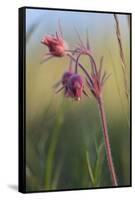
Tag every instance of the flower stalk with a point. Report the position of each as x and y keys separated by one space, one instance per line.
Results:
x=95 y=82
x=107 y=143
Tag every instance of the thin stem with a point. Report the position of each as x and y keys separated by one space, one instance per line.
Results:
x=81 y=66
x=107 y=143
x=93 y=63
x=71 y=60
x=122 y=57
x=70 y=65
x=76 y=66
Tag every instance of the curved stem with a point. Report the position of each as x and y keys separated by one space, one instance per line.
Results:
x=76 y=66
x=107 y=143
x=93 y=63
x=81 y=66
x=70 y=65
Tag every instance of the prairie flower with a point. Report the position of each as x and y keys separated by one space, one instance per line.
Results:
x=72 y=85
x=63 y=82
x=75 y=87
x=55 y=44
x=66 y=76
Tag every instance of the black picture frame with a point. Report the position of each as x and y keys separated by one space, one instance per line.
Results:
x=22 y=97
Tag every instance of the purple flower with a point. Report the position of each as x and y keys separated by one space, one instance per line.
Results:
x=75 y=87
x=66 y=76
x=72 y=84
x=64 y=82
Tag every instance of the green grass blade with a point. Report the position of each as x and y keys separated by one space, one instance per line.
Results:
x=90 y=168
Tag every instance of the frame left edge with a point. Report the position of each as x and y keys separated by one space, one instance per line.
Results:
x=21 y=92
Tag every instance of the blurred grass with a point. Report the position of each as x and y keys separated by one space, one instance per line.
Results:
x=95 y=173
x=51 y=152
x=64 y=148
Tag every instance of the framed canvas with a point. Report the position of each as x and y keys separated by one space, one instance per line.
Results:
x=74 y=99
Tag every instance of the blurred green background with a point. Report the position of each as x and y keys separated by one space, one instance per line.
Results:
x=64 y=139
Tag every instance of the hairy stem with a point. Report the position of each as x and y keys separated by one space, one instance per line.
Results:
x=107 y=143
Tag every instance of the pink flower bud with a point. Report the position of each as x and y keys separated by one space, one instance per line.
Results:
x=55 y=44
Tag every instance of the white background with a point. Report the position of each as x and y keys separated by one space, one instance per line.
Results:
x=9 y=98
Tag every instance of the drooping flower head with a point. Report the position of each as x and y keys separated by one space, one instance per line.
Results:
x=75 y=87
x=63 y=82
x=72 y=84
x=66 y=76
x=55 y=44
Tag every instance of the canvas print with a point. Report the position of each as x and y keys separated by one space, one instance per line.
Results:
x=75 y=102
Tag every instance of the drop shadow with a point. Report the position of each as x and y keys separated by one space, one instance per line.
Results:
x=13 y=187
